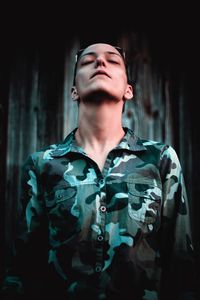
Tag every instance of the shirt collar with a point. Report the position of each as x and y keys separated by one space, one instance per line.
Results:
x=129 y=142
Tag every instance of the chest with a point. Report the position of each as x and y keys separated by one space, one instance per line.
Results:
x=99 y=159
x=75 y=192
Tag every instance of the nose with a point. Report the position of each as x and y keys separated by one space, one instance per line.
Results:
x=100 y=61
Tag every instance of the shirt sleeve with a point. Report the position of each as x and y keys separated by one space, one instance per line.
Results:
x=30 y=248
x=177 y=253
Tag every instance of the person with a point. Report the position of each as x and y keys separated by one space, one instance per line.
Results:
x=105 y=213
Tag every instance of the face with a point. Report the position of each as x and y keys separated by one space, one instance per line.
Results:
x=101 y=71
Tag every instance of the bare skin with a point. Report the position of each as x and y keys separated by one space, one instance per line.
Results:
x=99 y=131
x=101 y=89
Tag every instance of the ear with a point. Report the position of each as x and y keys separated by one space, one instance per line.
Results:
x=129 y=92
x=74 y=94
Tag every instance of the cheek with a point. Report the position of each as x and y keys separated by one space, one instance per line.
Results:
x=121 y=77
x=83 y=74
x=121 y=82
x=82 y=81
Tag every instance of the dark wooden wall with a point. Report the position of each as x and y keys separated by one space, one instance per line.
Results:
x=36 y=108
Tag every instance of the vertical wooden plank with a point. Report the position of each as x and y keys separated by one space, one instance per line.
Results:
x=70 y=107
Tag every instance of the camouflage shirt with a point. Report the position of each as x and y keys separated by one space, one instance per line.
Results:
x=111 y=233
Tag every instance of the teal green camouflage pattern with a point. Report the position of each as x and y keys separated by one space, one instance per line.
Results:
x=109 y=233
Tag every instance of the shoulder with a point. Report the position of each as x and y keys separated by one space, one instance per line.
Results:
x=162 y=153
x=149 y=147
x=164 y=156
x=164 y=150
x=47 y=152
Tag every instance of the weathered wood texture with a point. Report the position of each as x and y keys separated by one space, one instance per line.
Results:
x=41 y=112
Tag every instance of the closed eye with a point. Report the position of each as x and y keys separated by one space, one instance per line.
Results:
x=112 y=58
x=87 y=59
x=113 y=61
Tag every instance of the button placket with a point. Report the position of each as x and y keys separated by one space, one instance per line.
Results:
x=100 y=237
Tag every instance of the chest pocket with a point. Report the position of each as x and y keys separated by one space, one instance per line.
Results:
x=63 y=213
x=63 y=196
x=144 y=201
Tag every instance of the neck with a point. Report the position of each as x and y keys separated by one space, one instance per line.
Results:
x=99 y=127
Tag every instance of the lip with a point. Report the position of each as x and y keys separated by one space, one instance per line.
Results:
x=100 y=72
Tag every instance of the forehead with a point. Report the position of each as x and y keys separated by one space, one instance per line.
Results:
x=100 y=48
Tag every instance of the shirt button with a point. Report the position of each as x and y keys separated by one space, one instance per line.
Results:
x=102 y=208
x=100 y=238
x=98 y=269
x=101 y=181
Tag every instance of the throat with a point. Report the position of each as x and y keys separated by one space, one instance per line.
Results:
x=96 y=146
